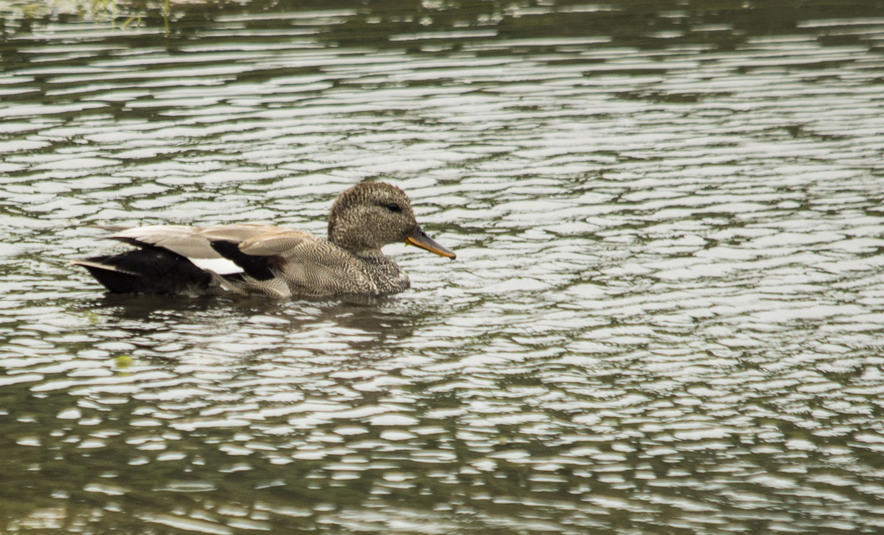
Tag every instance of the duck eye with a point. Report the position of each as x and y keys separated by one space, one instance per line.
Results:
x=393 y=207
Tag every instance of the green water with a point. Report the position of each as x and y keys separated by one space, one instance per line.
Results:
x=664 y=316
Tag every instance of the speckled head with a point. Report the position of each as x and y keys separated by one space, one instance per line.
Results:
x=370 y=215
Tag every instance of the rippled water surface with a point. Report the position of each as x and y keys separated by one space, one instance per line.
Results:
x=665 y=315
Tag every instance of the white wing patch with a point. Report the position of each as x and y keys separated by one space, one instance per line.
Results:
x=221 y=266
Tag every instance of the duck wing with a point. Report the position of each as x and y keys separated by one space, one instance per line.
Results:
x=172 y=259
x=194 y=243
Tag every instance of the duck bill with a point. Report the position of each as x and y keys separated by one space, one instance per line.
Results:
x=420 y=239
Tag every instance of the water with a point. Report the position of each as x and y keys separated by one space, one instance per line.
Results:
x=664 y=317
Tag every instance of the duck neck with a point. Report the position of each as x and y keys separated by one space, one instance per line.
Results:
x=385 y=274
x=353 y=242
x=355 y=248
x=373 y=256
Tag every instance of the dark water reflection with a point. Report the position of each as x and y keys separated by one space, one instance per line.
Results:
x=664 y=317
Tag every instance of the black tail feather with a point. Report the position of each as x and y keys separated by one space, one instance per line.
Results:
x=148 y=270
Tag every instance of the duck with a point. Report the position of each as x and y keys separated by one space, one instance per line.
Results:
x=264 y=259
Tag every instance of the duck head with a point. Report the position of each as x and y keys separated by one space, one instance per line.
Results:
x=370 y=215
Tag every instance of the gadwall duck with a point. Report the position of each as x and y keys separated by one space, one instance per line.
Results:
x=257 y=258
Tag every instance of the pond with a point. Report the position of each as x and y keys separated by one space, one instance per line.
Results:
x=664 y=317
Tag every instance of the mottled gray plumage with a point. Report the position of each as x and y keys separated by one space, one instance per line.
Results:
x=258 y=258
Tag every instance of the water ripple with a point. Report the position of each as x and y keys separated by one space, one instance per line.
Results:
x=664 y=314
